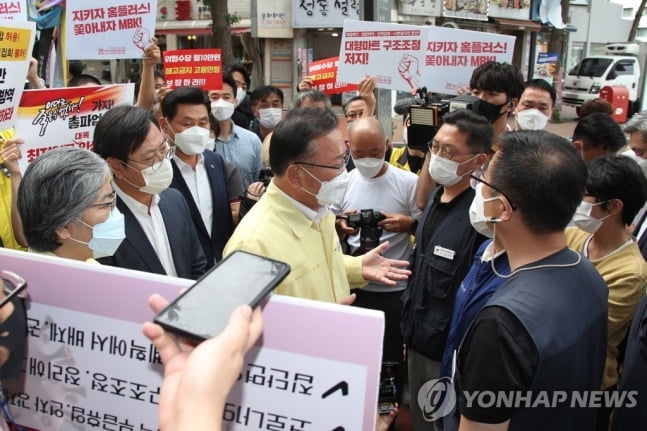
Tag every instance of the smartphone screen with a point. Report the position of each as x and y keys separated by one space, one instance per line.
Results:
x=204 y=309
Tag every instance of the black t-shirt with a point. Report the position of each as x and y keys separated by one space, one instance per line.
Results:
x=13 y=336
x=497 y=353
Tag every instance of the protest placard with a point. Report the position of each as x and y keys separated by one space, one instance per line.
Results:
x=406 y=57
x=324 y=76
x=16 y=41
x=108 y=30
x=13 y=9
x=88 y=365
x=64 y=117
x=196 y=67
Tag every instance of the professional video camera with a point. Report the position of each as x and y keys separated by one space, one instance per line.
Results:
x=425 y=117
x=369 y=232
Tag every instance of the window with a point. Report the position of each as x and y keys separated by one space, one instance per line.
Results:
x=624 y=67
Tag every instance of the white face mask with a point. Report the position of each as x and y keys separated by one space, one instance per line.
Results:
x=532 y=119
x=443 y=171
x=157 y=177
x=222 y=110
x=584 y=220
x=368 y=167
x=240 y=96
x=107 y=236
x=269 y=117
x=331 y=192
x=192 y=141
x=477 y=213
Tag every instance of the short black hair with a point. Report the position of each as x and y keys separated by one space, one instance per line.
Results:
x=122 y=130
x=500 y=77
x=184 y=96
x=83 y=79
x=354 y=99
x=158 y=74
x=228 y=79
x=543 y=175
x=617 y=177
x=262 y=92
x=598 y=130
x=542 y=84
x=477 y=128
x=242 y=69
x=292 y=136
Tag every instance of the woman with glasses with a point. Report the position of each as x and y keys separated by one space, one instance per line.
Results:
x=67 y=206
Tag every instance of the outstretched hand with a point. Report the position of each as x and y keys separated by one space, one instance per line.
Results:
x=376 y=267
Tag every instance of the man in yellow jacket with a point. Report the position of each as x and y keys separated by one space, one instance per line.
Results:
x=292 y=222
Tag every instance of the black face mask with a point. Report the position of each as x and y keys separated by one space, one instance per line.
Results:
x=415 y=163
x=489 y=110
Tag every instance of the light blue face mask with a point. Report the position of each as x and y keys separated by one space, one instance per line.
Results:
x=106 y=236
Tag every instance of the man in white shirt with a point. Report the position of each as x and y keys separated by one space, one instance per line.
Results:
x=199 y=174
x=376 y=185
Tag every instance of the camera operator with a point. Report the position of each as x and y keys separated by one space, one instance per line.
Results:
x=496 y=88
x=378 y=189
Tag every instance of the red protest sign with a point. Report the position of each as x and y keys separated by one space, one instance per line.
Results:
x=324 y=76
x=196 y=67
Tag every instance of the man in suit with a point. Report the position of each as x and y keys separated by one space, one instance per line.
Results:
x=199 y=174
x=160 y=236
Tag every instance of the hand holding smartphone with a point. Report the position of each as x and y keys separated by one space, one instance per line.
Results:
x=203 y=310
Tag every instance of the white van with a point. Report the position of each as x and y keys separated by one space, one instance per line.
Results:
x=621 y=66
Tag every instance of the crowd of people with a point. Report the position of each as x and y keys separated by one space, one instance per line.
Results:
x=505 y=258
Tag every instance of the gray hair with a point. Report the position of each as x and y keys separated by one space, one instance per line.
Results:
x=56 y=188
x=638 y=123
x=313 y=95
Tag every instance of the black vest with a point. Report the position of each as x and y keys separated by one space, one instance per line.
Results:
x=428 y=301
x=564 y=311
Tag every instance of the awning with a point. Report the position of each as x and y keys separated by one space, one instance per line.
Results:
x=519 y=24
x=202 y=26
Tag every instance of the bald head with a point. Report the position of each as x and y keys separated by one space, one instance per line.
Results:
x=365 y=128
x=367 y=139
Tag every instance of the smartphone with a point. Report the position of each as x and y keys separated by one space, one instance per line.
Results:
x=203 y=310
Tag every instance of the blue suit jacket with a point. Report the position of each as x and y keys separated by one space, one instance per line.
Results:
x=136 y=252
x=222 y=225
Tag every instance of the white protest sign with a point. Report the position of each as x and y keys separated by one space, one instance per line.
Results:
x=16 y=42
x=64 y=117
x=109 y=29
x=453 y=54
x=88 y=366
x=410 y=57
x=13 y=9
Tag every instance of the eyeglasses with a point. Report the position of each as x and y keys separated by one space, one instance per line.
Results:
x=105 y=205
x=338 y=168
x=474 y=180
x=445 y=151
x=13 y=285
x=166 y=152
